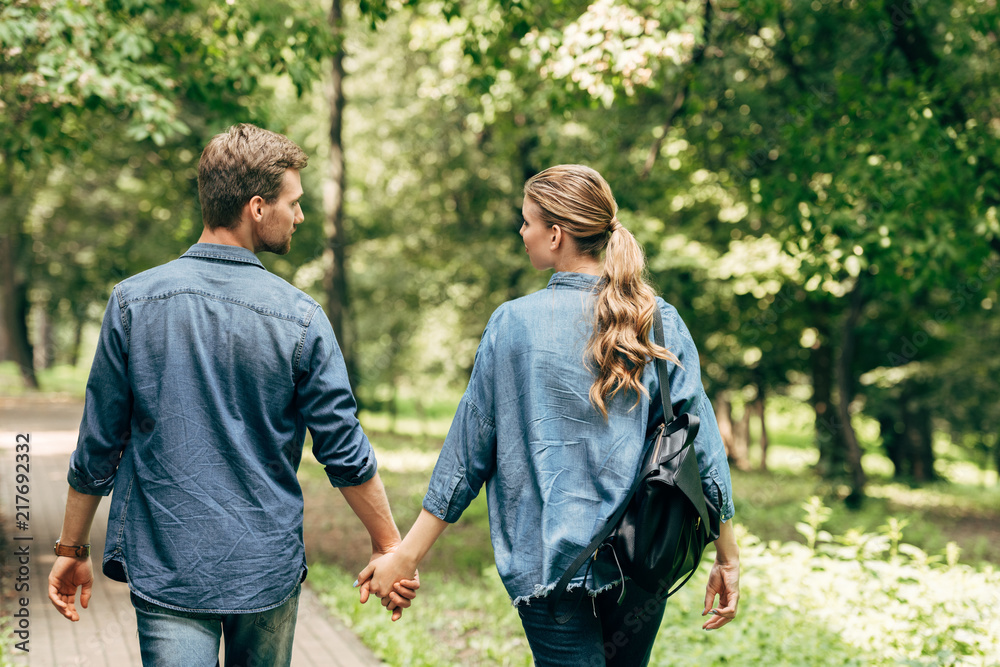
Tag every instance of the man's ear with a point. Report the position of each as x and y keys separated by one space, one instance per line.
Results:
x=255 y=207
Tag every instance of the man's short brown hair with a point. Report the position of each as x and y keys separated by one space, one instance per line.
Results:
x=241 y=163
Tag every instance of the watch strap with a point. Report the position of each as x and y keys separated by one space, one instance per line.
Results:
x=73 y=551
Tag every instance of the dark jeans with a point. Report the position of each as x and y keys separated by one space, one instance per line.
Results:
x=618 y=635
x=170 y=638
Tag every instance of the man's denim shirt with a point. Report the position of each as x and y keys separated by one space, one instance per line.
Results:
x=208 y=372
x=554 y=470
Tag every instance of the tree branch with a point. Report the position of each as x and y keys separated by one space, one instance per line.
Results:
x=784 y=53
x=678 y=104
x=911 y=40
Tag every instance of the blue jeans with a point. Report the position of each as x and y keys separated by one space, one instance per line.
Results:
x=601 y=632
x=170 y=638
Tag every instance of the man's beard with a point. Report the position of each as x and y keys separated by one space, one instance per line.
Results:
x=276 y=249
x=272 y=246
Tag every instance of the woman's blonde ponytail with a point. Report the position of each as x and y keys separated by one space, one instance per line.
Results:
x=579 y=200
x=624 y=312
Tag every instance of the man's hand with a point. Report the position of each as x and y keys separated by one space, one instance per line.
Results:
x=67 y=575
x=396 y=590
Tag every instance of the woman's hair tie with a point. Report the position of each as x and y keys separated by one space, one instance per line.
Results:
x=614 y=226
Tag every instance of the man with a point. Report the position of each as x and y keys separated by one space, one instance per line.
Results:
x=208 y=371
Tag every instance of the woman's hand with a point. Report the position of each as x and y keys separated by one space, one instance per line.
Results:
x=392 y=578
x=723 y=580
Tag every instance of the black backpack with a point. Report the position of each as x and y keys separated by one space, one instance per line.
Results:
x=660 y=531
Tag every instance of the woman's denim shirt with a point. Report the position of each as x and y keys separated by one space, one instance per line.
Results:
x=554 y=469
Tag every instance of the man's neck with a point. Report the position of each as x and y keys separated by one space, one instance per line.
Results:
x=236 y=237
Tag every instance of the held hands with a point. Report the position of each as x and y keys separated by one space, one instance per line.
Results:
x=66 y=576
x=396 y=594
x=390 y=578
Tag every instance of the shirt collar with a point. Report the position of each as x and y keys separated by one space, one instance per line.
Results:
x=584 y=281
x=226 y=253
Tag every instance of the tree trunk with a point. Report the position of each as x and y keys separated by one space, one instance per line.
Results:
x=919 y=439
x=741 y=439
x=335 y=255
x=45 y=351
x=996 y=458
x=393 y=403
x=829 y=438
x=5 y=353
x=907 y=437
x=761 y=403
x=893 y=445
x=74 y=353
x=14 y=302
x=845 y=387
x=724 y=416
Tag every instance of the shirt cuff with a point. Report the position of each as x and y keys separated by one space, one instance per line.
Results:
x=367 y=471
x=444 y=505
x=90 y=487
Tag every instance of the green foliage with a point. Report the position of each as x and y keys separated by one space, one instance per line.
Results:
x=6 y=643
x=459 y=623
x=62 y=61
x=771 y=158
x=890 y=599
x=816 y=516
x=855 y=599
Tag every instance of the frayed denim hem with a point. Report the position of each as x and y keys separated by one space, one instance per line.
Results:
x=541 y=592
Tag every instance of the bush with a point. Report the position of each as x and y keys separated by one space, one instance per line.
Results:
x=854 y=599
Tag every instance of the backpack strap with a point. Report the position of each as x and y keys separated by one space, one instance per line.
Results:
x=661 y=370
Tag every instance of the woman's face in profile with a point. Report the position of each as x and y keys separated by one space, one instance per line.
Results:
x=537 y=236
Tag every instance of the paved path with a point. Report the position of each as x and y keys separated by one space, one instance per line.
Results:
x=105 y=636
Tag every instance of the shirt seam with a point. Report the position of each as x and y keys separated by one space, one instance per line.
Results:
x=300 y=347
x=215 y=297
x=122 y=307
x=482 y=417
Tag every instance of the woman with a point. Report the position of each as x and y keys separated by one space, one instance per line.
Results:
x=560 y=402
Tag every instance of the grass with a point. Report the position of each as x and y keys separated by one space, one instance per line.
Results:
x=463 y=615
x=457 y=621
x=63 y=380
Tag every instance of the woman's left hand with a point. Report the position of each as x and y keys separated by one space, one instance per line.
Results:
x=723 y=580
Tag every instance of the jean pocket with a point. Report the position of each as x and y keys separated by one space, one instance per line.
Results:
x=272 y=620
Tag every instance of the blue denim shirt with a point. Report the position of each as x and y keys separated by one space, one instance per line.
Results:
x=208 y=371
x=554 y=469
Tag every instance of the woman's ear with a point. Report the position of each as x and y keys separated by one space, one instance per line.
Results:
x=555 y=237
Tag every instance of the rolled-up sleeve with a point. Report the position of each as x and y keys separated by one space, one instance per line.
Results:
x=468 y=456
x=107 y=414
x=324 y=399
x=687 y=394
